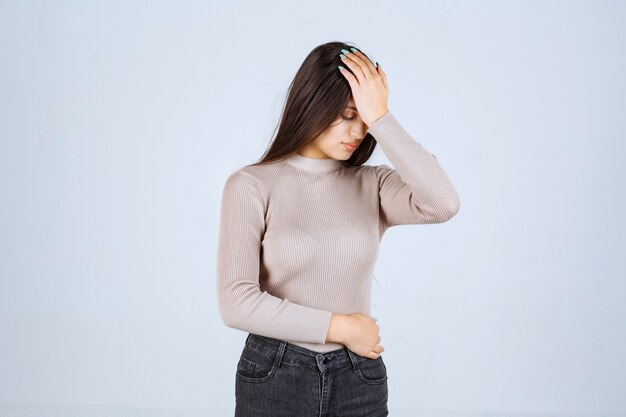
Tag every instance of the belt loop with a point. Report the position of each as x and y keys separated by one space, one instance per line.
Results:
x=281 y=351
x=248 y=338
x=353 y=359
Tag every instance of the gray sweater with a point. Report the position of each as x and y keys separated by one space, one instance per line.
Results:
x=298 y=239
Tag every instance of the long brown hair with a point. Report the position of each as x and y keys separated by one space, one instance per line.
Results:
x=317 y=96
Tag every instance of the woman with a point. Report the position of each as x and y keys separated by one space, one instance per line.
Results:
x=299 y=237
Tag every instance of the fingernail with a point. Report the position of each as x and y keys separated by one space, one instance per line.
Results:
x=354 y=49
x=340 y=67
x=345 y=51
x=374 y=318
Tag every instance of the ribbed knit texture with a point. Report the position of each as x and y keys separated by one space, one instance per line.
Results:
x=299 y=238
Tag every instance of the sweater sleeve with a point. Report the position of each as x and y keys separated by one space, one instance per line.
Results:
x=242 y=305
x=418 y=189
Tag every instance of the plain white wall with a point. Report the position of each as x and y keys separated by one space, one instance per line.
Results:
x=120 y=121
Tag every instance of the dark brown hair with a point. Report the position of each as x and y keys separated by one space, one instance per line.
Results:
x=317 y=96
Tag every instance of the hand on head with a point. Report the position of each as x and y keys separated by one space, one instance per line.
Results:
x=368 y=83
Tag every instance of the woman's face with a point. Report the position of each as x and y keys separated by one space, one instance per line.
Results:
x=341 y=138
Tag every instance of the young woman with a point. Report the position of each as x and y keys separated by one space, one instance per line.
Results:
x=299 y=237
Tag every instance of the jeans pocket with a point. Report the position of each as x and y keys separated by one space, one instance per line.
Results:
x=372 y=371
x=255 y=366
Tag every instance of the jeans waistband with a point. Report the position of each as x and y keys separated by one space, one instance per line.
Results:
x=288 y=352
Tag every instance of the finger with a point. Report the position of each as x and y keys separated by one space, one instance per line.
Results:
x=365 y=60
x=383 y=76
x=360 y=59
x=378 y=349
x=350 y=77
x=350 y=63
x=359 y=62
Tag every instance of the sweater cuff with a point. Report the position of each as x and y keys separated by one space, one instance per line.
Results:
x=383 y=126
x=325 y=320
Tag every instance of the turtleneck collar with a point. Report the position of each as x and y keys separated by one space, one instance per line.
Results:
x=313 y=164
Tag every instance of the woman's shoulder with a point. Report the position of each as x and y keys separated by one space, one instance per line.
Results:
x=260 y=176
x=259 y=171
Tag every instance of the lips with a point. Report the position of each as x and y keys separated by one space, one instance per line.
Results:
x=350 y=146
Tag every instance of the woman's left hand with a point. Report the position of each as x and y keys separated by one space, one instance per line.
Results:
x=368 y=84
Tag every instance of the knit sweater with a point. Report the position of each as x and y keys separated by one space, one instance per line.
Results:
x=299 y=238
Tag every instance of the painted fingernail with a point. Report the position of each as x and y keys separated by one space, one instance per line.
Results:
x=340 y=67
x=342 y=56
x=345 y=51
x=374 y=318
x=354 y=49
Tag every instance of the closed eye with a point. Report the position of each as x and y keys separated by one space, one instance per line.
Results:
x=350 y=118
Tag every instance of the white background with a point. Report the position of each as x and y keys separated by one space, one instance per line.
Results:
x=120 y=121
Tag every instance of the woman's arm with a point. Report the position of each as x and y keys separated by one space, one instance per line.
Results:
x=418 y=189
x=241 y=303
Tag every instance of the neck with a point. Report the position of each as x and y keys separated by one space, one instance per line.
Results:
x=313 y=164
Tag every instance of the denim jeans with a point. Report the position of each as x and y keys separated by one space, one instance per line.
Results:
x=275 y=378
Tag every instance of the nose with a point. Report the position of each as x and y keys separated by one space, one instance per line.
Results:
x=360 y=130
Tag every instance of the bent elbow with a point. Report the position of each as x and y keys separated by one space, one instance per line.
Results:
x=448 y=209
x=230 y=318
x=228 y=313
x=237 y=302
x=454 y=205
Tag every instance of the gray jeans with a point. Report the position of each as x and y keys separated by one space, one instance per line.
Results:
x=279 y=379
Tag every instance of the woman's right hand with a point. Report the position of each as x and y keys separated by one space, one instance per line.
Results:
x=358 y=332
